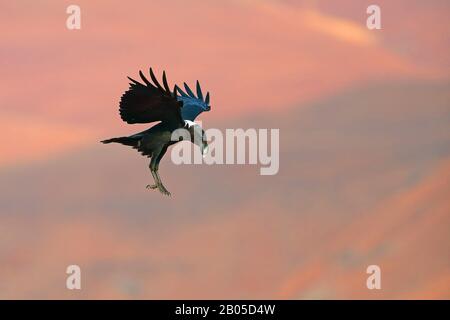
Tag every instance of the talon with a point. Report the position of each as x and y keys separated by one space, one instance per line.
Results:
x=151 y=186
x=163 y=190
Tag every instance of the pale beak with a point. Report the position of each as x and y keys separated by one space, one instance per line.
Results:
x=204 y=150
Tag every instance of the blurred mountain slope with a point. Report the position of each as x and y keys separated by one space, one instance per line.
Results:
x=363 y=180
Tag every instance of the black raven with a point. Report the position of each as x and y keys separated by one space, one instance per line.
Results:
x=148 y=102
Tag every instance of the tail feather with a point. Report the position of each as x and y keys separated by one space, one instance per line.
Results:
x=128 y=141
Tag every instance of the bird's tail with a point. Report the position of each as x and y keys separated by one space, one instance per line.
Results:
x=128 y=141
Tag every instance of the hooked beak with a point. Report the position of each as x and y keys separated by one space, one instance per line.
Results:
x=204 y=149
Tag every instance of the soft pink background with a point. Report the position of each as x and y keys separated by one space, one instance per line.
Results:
x=365 y=151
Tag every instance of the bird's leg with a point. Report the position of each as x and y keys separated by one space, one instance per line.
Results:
x=158 y=183
x=152 y=169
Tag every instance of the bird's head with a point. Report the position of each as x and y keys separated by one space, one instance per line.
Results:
x=198 y=136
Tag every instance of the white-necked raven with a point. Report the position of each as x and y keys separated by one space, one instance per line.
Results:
x=148 y=102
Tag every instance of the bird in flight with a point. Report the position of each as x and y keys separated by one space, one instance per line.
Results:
x=149 y=102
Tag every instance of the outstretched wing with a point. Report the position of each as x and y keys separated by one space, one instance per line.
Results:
x=149 y=102
x=192 y=105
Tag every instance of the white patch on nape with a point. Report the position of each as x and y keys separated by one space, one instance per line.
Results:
x=189 y=123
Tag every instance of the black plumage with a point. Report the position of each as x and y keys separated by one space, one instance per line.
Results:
x=149 y=102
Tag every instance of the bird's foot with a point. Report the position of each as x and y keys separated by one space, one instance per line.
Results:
x=160 y=187
x=163 y=190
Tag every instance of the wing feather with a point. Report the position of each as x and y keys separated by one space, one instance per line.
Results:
x=199 y=91
x=149 y=102
x=189 y=91
x=166 y=85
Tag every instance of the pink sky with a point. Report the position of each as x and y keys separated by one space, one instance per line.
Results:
x=254 y=56
x=363 y=119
